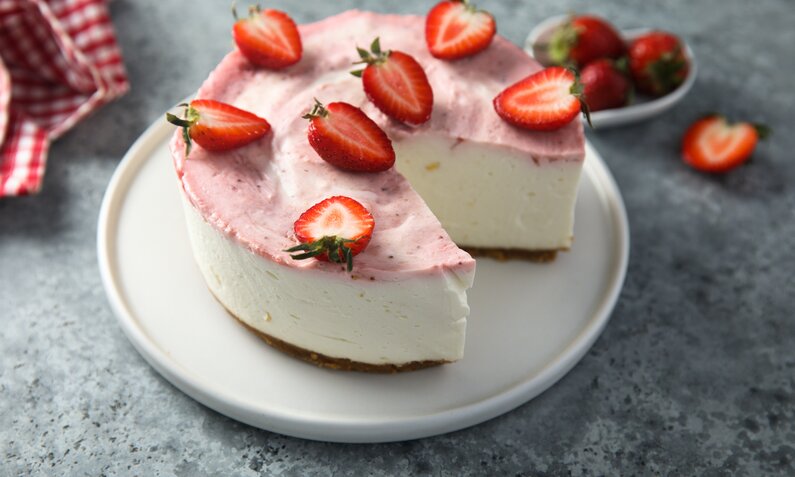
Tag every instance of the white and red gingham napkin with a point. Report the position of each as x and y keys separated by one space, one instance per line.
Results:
x=59 y=61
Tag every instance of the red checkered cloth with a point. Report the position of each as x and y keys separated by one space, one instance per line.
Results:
x=59 y=61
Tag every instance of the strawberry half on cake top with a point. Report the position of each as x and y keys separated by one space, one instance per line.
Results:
x=386 y=287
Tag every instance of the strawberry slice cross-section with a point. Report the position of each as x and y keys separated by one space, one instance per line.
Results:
x=345 y=137
x=544 y=101
x=396 y=83
x=218 y=126
x=456 y=29
x=712 y=144
x=334 y=230
x=268 y=38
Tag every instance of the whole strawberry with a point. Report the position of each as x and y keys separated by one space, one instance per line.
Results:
x=657 y=63
x=396 y=84
x=605 y=86
x=585 y=38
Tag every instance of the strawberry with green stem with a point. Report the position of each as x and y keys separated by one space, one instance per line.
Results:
x=345 y=137
x=218 y=126
x=544 y=101
x=396 y=84
x=582 y=39
x=334 y=230
x=657 y=63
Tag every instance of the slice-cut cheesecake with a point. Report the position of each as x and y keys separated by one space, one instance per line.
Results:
x=464 y=179
x=494 y=202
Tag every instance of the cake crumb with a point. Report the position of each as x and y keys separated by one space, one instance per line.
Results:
x=432 y=166
x=268 y=316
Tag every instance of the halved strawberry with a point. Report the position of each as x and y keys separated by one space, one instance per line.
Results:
x=268 y=38
x=455 y=29
x=218 y=126
x=396 y=84
x=345 y=137
x=334 y=230
x=546 y=100
x=712 y=144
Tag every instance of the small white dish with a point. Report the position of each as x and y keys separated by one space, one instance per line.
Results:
x=529 y=324
x=644 y=107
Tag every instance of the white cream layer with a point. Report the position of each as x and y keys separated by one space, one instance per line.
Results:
x=492 y=197
x=374 y=322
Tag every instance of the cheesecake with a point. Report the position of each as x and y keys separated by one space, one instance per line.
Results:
x=464 y=183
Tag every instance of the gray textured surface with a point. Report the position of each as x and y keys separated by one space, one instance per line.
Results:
x=693 y=375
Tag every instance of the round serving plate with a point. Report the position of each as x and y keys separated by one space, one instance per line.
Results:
x=529 y=323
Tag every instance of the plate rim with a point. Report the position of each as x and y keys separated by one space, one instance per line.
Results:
x=335 y=428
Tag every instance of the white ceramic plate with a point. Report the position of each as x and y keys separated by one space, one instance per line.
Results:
x=529 y=325
x=644 y=107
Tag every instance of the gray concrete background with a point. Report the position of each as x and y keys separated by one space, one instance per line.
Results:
x=694 y=374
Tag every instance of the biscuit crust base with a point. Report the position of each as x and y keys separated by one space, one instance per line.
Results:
x=505 y=254
x=341 y=364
